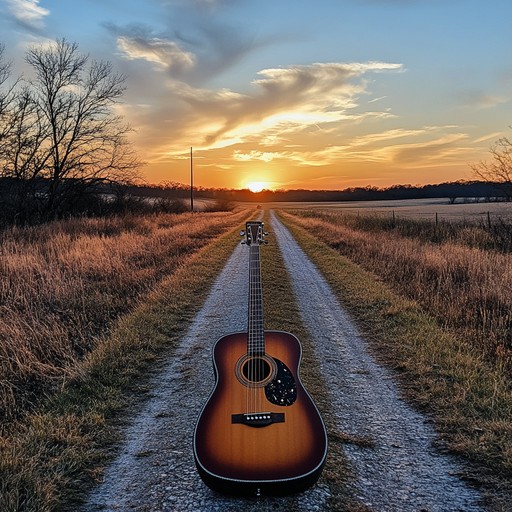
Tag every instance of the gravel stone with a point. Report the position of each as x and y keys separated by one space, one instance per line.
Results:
x=155 y=470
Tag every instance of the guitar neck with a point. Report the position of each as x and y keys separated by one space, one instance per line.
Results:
x=256 y=337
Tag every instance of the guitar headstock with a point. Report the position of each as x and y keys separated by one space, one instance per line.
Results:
x=254 y=234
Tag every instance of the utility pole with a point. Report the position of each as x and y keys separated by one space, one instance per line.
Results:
x=191 y=182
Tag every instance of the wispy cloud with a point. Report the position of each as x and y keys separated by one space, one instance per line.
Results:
x=166 y=54
x=288 y=113
x=425 y=146
x=291 y=99
x=377 y=99
x=202 y=52
x=489 y=136
x=256 y=155
x=441 y=150
x=28 y=13
x=387 y=135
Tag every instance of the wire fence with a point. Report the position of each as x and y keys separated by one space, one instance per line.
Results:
x=483 y=217
x=486 y=229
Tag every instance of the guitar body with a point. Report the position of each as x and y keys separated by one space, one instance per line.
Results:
x=259 y=432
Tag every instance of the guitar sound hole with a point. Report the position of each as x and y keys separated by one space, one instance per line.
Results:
x=256 y=369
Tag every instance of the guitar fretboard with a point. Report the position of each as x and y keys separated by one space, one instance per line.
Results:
x=256 y=338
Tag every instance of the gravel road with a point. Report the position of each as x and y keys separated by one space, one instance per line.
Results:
x=155 y=471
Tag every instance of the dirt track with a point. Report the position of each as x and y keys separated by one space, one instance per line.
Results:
x=402 y=471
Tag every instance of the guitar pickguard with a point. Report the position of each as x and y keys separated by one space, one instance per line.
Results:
x=282 y=390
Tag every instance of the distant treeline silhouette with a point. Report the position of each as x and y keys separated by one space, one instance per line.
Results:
x=110 y=198
x=452 y=191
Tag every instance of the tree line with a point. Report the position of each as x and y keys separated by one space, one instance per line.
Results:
x=465 y=191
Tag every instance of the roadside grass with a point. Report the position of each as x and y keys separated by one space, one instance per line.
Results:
x=465 y=288
x=281 y=313
x=49 y=457
x=469 y=398
x=64 y=283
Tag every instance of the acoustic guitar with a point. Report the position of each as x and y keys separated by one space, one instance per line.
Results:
x=259 y=432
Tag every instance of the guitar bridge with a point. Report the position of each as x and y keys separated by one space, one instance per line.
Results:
x=258 y=419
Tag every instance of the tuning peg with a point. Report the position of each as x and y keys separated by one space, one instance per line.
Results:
x=243 y=242
x=242 y=233
x=266 y=233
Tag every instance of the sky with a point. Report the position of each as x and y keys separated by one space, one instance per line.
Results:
x=323 y=94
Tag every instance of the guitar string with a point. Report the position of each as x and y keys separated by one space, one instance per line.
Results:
x=251 y=373
x=251 y=326
x=255 y=364
x=254 y=348
x=255 y=338
x=258 y=306
x=258 y=328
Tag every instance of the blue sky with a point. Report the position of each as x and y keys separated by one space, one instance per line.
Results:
x=325 y=94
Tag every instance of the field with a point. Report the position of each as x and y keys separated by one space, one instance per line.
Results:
x=62 y=286
x=409 y=208
x=87 y=306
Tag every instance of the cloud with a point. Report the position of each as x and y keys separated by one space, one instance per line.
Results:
x=387 y=135
x=442 y=149
x=255 y=155
x=166 y=54
x=290 y=99
x=28 y=13
x=206 y=49
x=489 y=136
x=377 y=99
x=377 y=148
x=281 y=107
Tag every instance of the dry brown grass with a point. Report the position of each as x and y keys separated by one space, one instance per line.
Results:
x=466 y=289
x=63 y=284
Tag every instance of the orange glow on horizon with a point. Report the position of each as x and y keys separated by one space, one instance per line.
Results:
x=257 y=186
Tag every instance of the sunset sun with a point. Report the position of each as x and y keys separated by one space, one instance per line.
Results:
x=257 y=186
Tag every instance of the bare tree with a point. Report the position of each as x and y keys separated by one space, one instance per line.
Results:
x=17 y=143
x=78 y=139
x=6 y=94
x=5 y=69
x=22 y=158
x=499 y=169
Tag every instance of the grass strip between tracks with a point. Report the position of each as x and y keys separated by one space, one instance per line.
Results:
x=50 y=458
x=470 y=402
